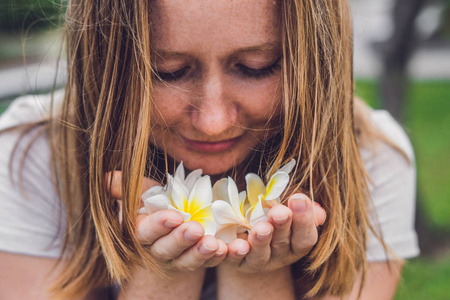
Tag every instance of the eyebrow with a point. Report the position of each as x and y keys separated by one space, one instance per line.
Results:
x=265 y=47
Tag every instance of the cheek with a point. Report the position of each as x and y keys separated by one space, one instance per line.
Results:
x=262 y=102
x=169 y=108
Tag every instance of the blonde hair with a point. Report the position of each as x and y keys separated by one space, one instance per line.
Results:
x=105 y=121
x=319 y=132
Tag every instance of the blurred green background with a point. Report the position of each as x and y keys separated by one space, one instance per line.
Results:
x=30 y=14
x=427 y=122
x=425 y=116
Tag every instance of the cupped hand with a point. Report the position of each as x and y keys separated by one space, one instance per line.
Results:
x=174 y=244
x=288 y=235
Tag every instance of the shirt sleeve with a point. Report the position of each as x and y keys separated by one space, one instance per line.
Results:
x=392 y=189
x=31 y=219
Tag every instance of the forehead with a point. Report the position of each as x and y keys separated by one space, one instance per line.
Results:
x=214 y=25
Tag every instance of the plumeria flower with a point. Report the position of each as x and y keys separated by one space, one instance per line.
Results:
x=228 y=210
x=268 y=195
x=229 y=205
x=191 y=197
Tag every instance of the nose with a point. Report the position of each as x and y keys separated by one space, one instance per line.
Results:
x=214 y=113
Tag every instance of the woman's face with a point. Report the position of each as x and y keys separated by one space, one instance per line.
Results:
x=219 y=92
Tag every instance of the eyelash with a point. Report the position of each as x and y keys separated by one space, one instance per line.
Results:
x=171 y=76
x=259 y=73
x=243 y=70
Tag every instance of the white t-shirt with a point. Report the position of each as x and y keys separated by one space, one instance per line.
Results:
x=31 y=225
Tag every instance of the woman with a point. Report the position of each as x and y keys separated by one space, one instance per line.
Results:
x=228 y=87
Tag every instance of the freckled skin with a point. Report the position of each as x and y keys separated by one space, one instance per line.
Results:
x=213 y=101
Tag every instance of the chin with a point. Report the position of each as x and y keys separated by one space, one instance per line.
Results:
x=208 y=167
x=217 y=164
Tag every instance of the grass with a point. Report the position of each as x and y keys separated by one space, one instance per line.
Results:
x=425 y=278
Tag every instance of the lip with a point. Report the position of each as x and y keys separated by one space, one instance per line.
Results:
x=212 y=147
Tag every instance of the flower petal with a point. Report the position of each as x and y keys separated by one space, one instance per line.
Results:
x=180 y=184
x=227 y=233
x=276 y=185
x=169 y=185
x=192 y=178
x=255 y=187
x=203 y=213
x=156 y=203
x=179 y=194
x=186 y=216
x=248 y=211
x=154 y=190
x=200 y=195
x=257 y=214
x=179 y=172
x=269 y=203
x=234 y=197
x=224 y=214
x=287 y=168
x=220 y=190
x=210 y=226
x=242 y=197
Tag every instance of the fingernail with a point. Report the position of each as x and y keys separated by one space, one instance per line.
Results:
x=205 y=250
x=263 y=236
x=219 y=253
x=191 y=236
x=280 y=221
x=298 y=205
x=171 y=224
x=242 y=253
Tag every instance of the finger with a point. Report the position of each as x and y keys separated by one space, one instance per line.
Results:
x=176 y=242
x=154 y=226
x=237 y=250
x=196 y=256
x=114 y=184
x=304 y=232
x=320 y=214
x=218 y=257
x=259 y=238
x=280 y=216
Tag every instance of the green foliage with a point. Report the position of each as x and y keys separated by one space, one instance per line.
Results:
x=29 y=14
x=445 y=30
x=425 y=279
x=4 y=104
x=367 y=90
x=427 y=122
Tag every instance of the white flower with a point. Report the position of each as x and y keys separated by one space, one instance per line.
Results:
x=191 y=197
x=268 y=194
x=228 y=210
x=229 y=205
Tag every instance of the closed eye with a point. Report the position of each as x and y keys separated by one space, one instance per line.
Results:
x=259 y=73
x=171 y=76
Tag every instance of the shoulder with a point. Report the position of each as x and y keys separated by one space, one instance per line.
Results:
x=30 y=210
x=30 y=108
x=390 y=165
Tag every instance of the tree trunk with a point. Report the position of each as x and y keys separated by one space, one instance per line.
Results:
x=396 y=54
